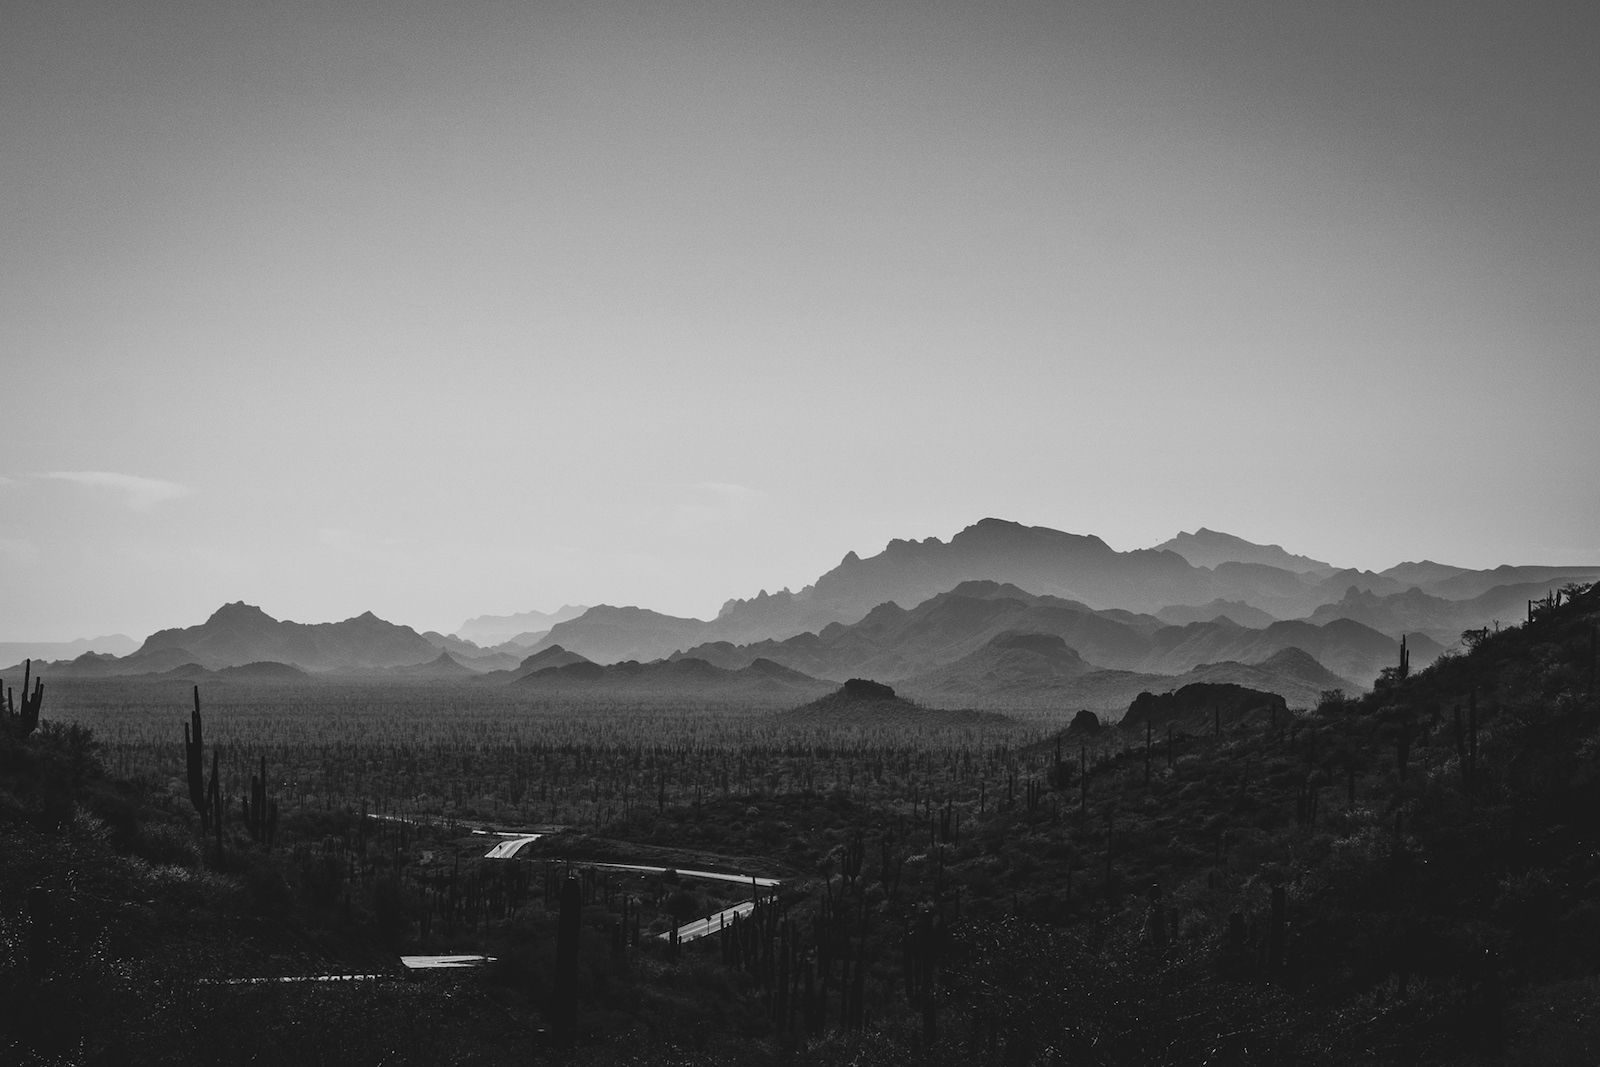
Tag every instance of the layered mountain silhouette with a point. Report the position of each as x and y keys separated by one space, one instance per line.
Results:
x=240 y=633
x=443 y=668
x=1208 y=548
x=1443 y=618
x=1012 y=664
x=263 y=673
x=474 y=656
x=1042 y=672
x=112 y=644
x=554 y=656
x=957 y=643
x=523 y=629
x=1193 y=577
x=1233 y=610
x=1000 y=612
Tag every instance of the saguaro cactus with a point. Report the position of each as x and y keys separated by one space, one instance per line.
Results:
x=922 y=973
x=1275 y=935
x=261 y=811
x=20 y=725
x=1083 y=780
x=564 y=995
x=214 y=801
x=1148 y=735
x=194 y=758
x=854 y=854
x=1402 y=744
x=39 y=931
x=1157 y=921
x=1472 y=743
x=1111 y=832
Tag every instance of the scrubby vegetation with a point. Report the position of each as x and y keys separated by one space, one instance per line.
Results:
x=1407 y=876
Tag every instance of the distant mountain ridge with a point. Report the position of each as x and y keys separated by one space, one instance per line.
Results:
x=971 y=641
x=1252 y=584
x=241 y=633
x=491 y=630
x=759 y=682
x=1001 y=608
x=109 y=645
x=1207 y=548
x=1023 y=676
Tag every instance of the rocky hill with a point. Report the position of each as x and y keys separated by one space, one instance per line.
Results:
x=761 y=682
x=864 y=704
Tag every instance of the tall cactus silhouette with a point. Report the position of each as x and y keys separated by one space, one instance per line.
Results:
x=194 y=759
x=260 y=810
x=206 y=797
x=20 y=725
x=1275 y=934
x=39 y=933
x=564 y=996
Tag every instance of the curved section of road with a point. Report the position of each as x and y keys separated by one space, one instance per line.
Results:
x=741 y=879
x=507 y=849
x=711 y=924
x=436 y=963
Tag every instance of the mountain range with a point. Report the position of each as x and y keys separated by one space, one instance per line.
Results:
x=1211 y=548
x=985 y=637
x=1251 y=584
x=761 y=682
x=241 y=634
x=112 y=645
x=524 y=628
x=1000 y=613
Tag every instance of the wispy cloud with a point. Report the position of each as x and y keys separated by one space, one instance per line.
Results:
x=715 y=503
x=138 y=493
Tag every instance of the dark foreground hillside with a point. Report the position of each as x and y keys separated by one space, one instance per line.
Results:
x=1410 y=877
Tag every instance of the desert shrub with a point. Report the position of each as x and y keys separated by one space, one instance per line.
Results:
x=164 y=843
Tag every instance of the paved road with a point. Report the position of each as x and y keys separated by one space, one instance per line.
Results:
x=434 y=963
x=508 y=848
x=411 y=963
x=741 y=879
x=297 y=978
x=711 y=924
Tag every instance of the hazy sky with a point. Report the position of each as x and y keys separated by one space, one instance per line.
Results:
x=438 y=310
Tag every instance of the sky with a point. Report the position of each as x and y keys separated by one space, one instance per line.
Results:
x=438 y=310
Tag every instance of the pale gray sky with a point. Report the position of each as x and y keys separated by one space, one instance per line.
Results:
x=438 y=310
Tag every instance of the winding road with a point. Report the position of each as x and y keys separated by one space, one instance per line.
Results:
x=513 y=841
x=741 y=879
x=507 y=849
x=711 y=924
